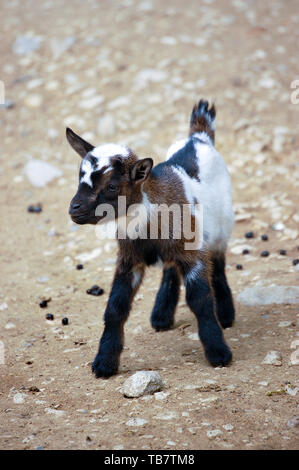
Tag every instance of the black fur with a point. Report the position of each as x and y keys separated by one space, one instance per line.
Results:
x=111 y=344
x=200 y=299
x=224 y=301
x=166 y=300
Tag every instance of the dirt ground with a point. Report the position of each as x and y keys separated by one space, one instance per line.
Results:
x=130 y=72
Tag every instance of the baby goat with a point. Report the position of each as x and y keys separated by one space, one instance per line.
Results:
x=193 y=173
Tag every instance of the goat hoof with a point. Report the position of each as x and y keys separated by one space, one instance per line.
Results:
x=219 y=356
x=104 y=366
x=160 y=326
x=226 y=323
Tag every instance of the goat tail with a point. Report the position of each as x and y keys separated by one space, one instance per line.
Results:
x=203 y=119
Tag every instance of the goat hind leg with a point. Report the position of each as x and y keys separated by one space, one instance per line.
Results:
x=224 y=301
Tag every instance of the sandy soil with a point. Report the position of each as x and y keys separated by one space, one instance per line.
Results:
x=244 y=56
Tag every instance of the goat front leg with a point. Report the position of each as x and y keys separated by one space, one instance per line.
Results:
x=201 y=300
x=125 y=285
x=162 y=315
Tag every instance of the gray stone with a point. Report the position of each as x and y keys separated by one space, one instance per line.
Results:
x=273 y=358
x=40 y=173
x=60 y=46
x=25 y=45
x=263 y=295
x=142 y=383
x=8 y=104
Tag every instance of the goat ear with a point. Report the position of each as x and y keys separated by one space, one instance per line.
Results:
x=79 y=145
x=141 y=169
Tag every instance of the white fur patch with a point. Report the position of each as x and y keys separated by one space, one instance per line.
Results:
x=136 y=279
x=193 y=274
x=213 y=192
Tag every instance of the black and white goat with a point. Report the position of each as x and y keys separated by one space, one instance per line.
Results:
x=193 y=172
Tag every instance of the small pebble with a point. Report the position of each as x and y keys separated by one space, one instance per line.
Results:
x=264 y=238
x=79 y=266
x=34 y=208
x=283 y=252
x=265 y=253
x=95 y=290
x=65 y=321
x=239 y=266
x=245 y=252
x=50 y=316
x=295 y=261
x=249 y=235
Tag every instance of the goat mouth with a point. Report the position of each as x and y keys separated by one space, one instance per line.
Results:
x=84 y=219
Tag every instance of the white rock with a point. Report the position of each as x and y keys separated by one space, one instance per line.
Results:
x=283 y=324
x=278 y=226
x=142 y=383
x=136 y=422
x=60 y=46
x=214 y=433
x=193 y=336
x=19 y=398
x=88 y=256
x=3 y=306
x=25 y=45
x=168 y=41
x=33 y=101
x=266 y=295
x=273 y=358
x=161 y=395
x=149 y=75
x=9 y=326
x=91 y=102
x=166 y=416
x=52 y=411
x=119 y=102
x=293 y=422
x=228 y=427
x=40 y=173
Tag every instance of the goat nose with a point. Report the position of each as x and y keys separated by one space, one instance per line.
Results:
x=76 y=206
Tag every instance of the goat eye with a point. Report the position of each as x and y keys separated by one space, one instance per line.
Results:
x=112 y=187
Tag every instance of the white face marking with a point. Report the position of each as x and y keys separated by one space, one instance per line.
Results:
x=110 y=150
x=86 y=167
x=103 y=154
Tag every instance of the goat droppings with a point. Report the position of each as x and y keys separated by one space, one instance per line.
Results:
x=249 y=235
x=34 y=208
x=239 y=266
x=65 y=321
x=265 y=253
x=264 y=238
x=50 y=316
x=79 y=266
x=95 y=290
x=44 y=303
